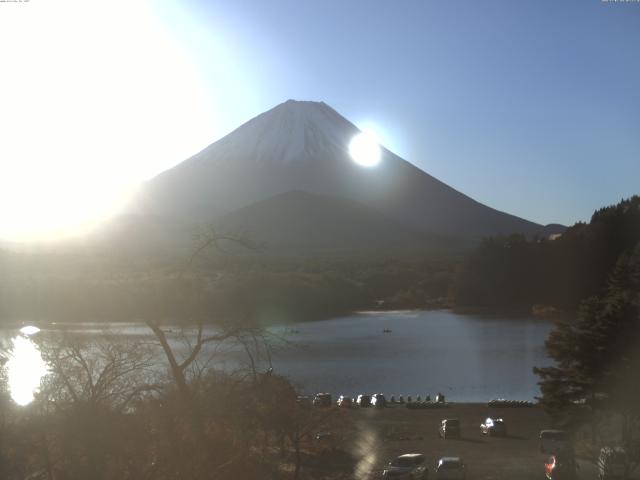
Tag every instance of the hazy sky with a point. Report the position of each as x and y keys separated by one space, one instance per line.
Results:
x=532 y=107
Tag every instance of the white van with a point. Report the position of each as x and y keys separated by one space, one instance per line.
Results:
x=554 y=441
x=612 y=463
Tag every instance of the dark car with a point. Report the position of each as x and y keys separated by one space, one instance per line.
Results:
x=409 y=466
x=363 y=400
x=377 y=400
x=494 y=427
x=450 y=468
x=322 y=400
x=450 y=428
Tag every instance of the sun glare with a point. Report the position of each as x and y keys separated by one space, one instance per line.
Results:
x=365 y=150
x=25 y=369
x=94 y=101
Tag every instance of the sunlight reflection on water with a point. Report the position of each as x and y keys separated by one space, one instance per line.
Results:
x=25 y=367
x=29 y=330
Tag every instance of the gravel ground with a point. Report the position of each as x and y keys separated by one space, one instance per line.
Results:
x=375 y=436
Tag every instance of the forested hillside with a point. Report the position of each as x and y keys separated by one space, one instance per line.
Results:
x=225 y=287
x=516 y=272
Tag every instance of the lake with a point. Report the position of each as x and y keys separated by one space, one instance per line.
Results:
x=466 y=357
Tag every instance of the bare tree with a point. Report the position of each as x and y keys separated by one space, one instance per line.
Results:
x=106 y=371
x=85 y=427
x=186 y=368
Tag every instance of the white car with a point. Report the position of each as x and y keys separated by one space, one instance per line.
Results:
x=450 y=468
x=408 y=466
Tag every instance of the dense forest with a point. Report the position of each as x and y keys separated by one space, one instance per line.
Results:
x=517 y=272
x=71 y=287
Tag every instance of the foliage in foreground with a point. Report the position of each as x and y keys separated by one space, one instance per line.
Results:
x=595 y=380
x=109 y=410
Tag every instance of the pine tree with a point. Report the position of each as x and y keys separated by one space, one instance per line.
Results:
x=597 y=356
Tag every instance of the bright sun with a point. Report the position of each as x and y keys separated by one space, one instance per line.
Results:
x=93 y=102
x=365 y=150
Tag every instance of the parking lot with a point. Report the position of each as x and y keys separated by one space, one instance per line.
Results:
x=375 y=436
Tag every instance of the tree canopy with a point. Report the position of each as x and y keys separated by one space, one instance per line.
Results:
x=515 y=271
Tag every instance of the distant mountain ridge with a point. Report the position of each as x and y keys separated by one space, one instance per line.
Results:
x=301 y=146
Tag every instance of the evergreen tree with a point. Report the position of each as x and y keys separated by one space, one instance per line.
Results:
x=597 y=357
x=516 y=271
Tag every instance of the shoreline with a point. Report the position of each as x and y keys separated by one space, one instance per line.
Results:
x=43 y=324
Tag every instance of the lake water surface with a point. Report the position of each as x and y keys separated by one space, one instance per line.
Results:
x=466 y=357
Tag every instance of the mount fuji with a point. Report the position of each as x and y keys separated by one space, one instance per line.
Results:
x=298 y=153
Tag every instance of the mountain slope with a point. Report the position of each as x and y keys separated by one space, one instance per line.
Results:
x=309 y=223
x=304 y=146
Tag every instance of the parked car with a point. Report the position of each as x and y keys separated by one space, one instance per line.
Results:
x=554 y=441
x=407 y=466
x=377 y=400
x=450 y=468
x=561 y=467
x=345 y=402
x=450 y=428
x=493 y=427
x=303 y=401
x=322 y=400
x=613 y=463
x=363 y=400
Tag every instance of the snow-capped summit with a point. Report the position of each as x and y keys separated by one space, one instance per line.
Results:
x=292 y=131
